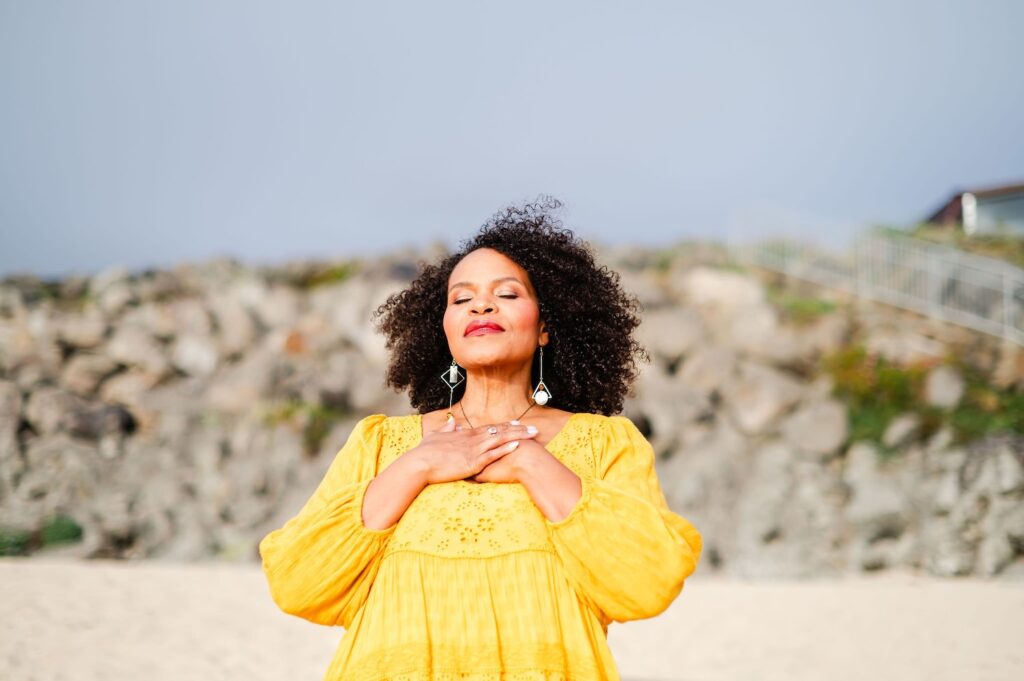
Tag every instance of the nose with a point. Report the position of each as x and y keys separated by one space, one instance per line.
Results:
x=482 y=304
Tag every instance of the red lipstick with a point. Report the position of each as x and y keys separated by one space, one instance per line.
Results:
x=480 y=327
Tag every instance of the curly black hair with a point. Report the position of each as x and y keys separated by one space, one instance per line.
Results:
x=591 y=359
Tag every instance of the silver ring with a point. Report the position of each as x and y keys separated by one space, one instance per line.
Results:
x=492 y=430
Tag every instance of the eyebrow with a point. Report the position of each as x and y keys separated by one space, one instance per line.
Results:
x=493 y=281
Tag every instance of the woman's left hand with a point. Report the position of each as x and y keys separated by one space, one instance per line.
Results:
x=509 y=468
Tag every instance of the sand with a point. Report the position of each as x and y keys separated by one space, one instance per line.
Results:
x=73 y=620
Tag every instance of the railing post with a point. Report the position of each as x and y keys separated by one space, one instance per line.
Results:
x=1007 y=309
x=890 y=270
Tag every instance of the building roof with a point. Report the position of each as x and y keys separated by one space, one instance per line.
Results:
x=952 y=210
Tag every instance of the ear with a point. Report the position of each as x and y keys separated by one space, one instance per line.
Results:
x=543 y=338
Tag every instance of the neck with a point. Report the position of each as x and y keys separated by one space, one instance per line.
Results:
x=492 y=397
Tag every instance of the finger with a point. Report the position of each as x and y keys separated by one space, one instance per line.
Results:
x=512 y=427
x=448 y=426
x=520 y=432
x=501 y=450
x=502 y=437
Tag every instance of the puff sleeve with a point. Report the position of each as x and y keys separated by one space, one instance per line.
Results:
x=321 y=564
x=626 y=553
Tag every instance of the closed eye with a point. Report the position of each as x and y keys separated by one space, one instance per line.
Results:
x=462 y=300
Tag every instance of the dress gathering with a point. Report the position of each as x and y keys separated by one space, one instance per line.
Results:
x=474 y=582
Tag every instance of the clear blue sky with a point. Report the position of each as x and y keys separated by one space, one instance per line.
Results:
x=142 y=134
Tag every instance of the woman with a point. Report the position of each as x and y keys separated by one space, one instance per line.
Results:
x=497 y=532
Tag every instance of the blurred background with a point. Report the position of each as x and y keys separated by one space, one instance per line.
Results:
x=819 y=205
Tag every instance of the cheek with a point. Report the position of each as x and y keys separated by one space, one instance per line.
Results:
x=448 y=321
x=528 y=316
x=453 y=322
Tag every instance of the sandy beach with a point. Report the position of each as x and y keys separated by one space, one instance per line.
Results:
x=75 y=621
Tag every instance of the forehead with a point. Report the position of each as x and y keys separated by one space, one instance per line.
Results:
x=485 y=264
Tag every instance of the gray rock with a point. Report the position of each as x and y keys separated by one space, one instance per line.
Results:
x=902 y=346
x=757 y=396
x=61 y=472
x=947 y=553
x=1012 y=522
x=878 y=506
x=195 y=354
x=29 y=352
x=754 y=330
x=131 y=345
x=645 y=286
x=280 y=307
x=191 y=316
x=708 y=368
x=128 y=388
x=669 y=408
x=819 y=427
x=947 y=493
x=1003 y=526
x=1009 y=465
x=112 y=290
x=10 y=407
x=115 y=298
x=157 y=319
x=50 y=410
x=943 y=387
x=718 y=293
x=941 y=439
x=11 y=463
x=112 y=276
x=671 y=333
x=83 y=373
x=901 y=430
x=823 y=336
x=86 y=330
x=236 y=330
x=238 y=388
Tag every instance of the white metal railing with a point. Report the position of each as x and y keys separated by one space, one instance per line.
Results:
x=936 y=280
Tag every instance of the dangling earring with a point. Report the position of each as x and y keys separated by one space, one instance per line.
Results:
x=452 y=378
x=541 y=394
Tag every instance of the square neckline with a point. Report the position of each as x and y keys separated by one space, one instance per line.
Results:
x=418 y=418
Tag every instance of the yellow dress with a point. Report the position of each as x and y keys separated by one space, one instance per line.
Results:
x=474 y=582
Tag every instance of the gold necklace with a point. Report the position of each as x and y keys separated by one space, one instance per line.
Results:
x=472 y=426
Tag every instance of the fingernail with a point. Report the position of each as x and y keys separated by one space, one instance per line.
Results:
x=515 y=443
x=531 y=429
x=514 y=423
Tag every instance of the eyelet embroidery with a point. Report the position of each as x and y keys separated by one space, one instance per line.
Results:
x=469 y=519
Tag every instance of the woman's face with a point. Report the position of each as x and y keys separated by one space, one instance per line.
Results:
x=486 y=286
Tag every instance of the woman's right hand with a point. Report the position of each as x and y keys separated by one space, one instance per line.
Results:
x=451 y=453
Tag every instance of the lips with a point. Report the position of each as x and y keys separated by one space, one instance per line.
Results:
x=482 y=328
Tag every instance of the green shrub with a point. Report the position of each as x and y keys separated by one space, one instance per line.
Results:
x=798 y=309
x=60 y=530
x=1003 y=245
x=876 y=391
x=866 y=380
x=985 y=408
x=13 y=542
x=330 y=274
